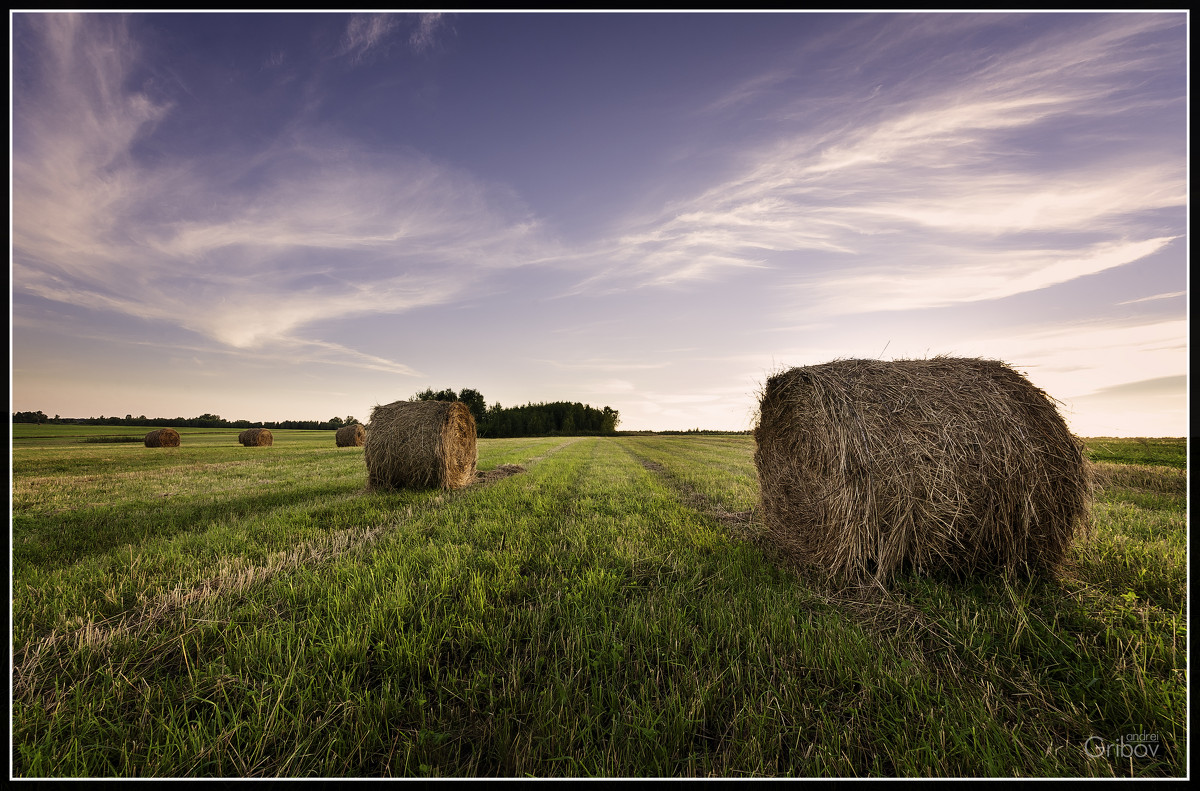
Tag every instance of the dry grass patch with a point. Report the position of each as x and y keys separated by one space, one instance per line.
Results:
x=1166 y=480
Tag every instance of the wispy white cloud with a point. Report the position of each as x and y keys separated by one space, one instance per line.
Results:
x=366 y=33
x=973 y=277
x=748 y=90
x=1009 y=203
x=73 y=130
x=1161 y=385
x=424 y=34
x=311 y=229
x=939 y=167
x=1168 y=295
x=327 y=353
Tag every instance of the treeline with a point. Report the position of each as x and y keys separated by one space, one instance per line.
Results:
x=203 y=421
x=530 y=420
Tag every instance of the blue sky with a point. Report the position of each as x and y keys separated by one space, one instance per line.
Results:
x=299 y=216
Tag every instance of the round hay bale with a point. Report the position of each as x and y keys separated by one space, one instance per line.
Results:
x=421 y=444
x=162 y=438
x=256 y=437
x=951 y=464
x=351 y=436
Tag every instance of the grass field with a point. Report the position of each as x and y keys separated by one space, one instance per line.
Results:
x=216 y=610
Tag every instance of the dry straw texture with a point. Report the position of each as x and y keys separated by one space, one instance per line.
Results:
x=949 y=464
x=256 y=437
x=163 y=438
x=351 y=436
x=421 y=444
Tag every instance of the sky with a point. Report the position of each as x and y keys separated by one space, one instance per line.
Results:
x=297 y=216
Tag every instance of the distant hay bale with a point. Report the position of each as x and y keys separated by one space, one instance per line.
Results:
x=162 y=438
x=951 y=464
x=351 y=436
x=256 y=437
x=420 y=444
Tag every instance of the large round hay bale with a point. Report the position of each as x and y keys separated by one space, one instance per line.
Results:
x=420 y=444
x=351 y=436
x=256 y=437
x=949 y=464
x=162 y=438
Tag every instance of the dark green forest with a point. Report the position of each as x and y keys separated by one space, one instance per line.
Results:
x=530 y=420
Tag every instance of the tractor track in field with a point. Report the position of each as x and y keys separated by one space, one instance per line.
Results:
x=740 y=523
x=232 y=577
x=507 y=470
x=887 y=616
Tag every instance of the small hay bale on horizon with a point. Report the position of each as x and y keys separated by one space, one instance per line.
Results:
x=256 y=438
x=162 y=438
x=947 y=464
x=420 y=445
x=351 y=436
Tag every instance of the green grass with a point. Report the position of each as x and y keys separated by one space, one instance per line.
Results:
x=215 y=610
x=1156 y=451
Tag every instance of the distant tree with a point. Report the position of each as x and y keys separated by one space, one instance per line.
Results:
x=38 y=417
x=561 y=417
x=473 y=399
x=429 y=395
x=475 y=402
